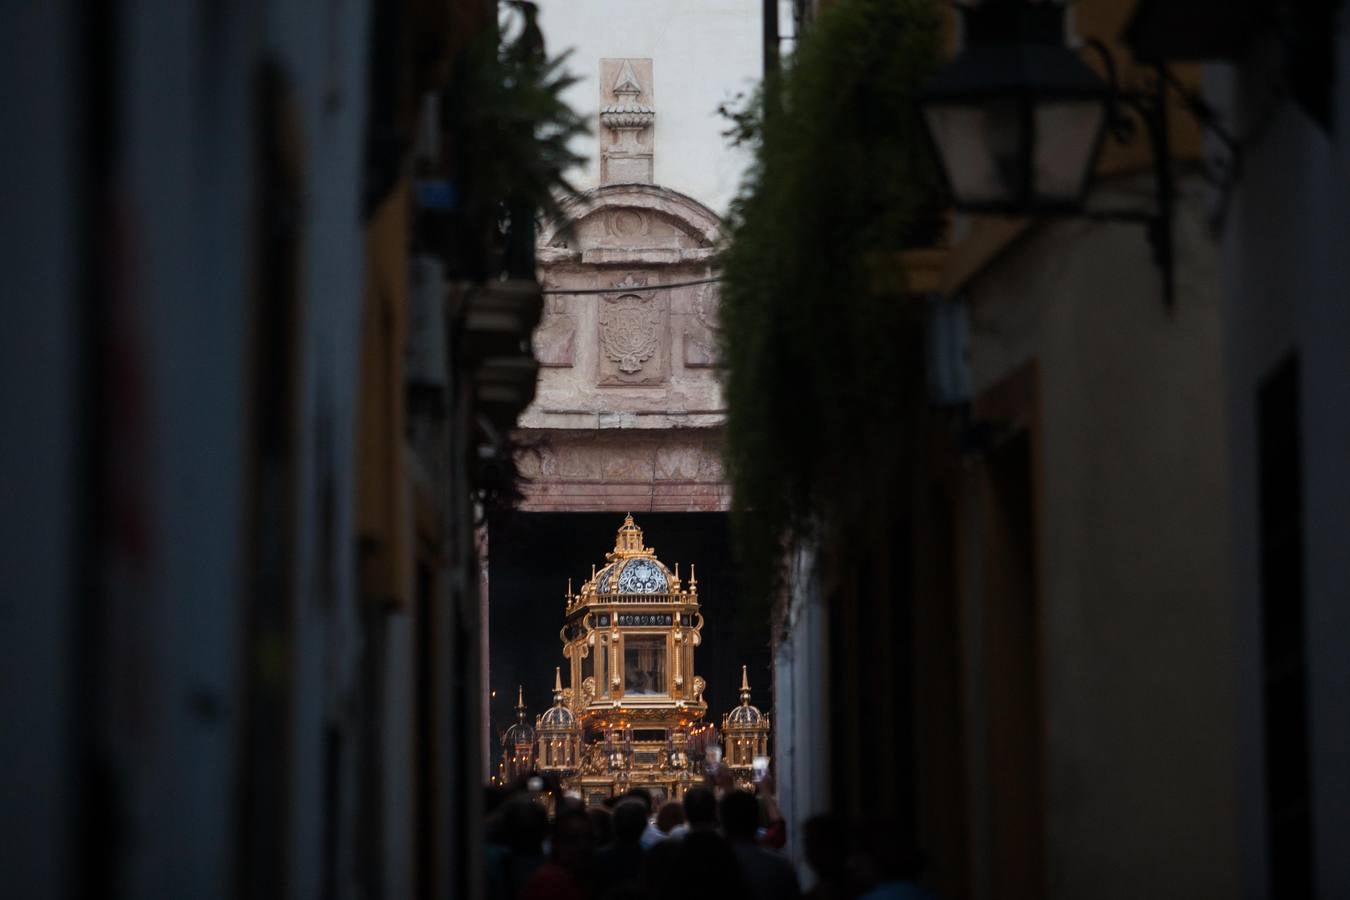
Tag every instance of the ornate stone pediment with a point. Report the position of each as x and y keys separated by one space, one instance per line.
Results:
x=633 y=228
x=631 y=224
x=627 y=340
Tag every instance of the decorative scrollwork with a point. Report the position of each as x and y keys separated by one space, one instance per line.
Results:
x=593 y=762
x=588 y=690
x=630 y=331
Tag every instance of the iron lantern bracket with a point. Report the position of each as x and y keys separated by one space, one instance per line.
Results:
x=1148 y=105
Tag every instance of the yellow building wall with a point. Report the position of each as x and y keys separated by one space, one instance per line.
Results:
x=383 y=504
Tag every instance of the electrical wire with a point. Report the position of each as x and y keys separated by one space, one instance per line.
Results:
x=631 y=289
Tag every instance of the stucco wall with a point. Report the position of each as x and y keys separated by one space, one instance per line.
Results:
x=187 y=175
x=1135 y=622
x=1285 y=276
x=40 y=240
x=703 y=52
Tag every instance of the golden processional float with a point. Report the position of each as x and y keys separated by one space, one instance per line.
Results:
x=633 y=715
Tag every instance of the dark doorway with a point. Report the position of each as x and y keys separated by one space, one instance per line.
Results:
x=1012 y=673
x=1289 y=825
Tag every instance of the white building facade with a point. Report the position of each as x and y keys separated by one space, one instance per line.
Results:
x=629 y=410
x=702 y=54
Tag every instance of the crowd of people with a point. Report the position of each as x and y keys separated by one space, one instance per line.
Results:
x=703 y=846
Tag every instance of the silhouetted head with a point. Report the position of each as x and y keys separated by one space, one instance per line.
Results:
x=524 y=825
x=885 y=852
x=740 y=815
x=661 y=875
x=630 y=820
x=825 y=845
x=601 y=828
x=643 y=796
x=670 y=816
x=572 y=839
x=700 y=808
x=707 y=860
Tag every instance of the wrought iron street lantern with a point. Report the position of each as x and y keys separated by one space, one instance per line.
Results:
x=1017 y=121
x=1017 y=118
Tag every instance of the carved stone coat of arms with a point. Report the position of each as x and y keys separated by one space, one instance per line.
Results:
x=631 y=336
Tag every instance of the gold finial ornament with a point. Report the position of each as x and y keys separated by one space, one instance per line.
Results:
x=628 y=541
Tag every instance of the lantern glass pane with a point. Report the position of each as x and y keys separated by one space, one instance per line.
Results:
x=1067 y=137
x=644 y=663
x=982 y=148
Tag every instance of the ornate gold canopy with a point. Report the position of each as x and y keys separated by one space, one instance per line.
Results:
x=635 y=711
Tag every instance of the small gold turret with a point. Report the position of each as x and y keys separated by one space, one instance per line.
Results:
x=746 y=731
x=518 y=743
x=559 y=735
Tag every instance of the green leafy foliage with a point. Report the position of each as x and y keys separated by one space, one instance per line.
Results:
x=509 y=127
x=816 y=377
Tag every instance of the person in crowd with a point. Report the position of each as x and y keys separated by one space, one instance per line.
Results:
x=621 y=864
x=642 y=795
x=670 y=816
x=774 y=833
x=700 y=809
x=887 y=864
x=515 y=850
x=699 y=865
x=602 y=829
x=495 y=853
x=649 y=835
x=670 y=819
x=768 y=875
x=661 y=872
x=567 y=873
x=710 y=867
x=825 y=846
x=723 y=782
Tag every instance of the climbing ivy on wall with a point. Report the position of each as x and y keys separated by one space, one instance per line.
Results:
x=816 y=371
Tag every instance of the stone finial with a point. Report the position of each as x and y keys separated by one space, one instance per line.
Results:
x=627 y=115
x=627 y=83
